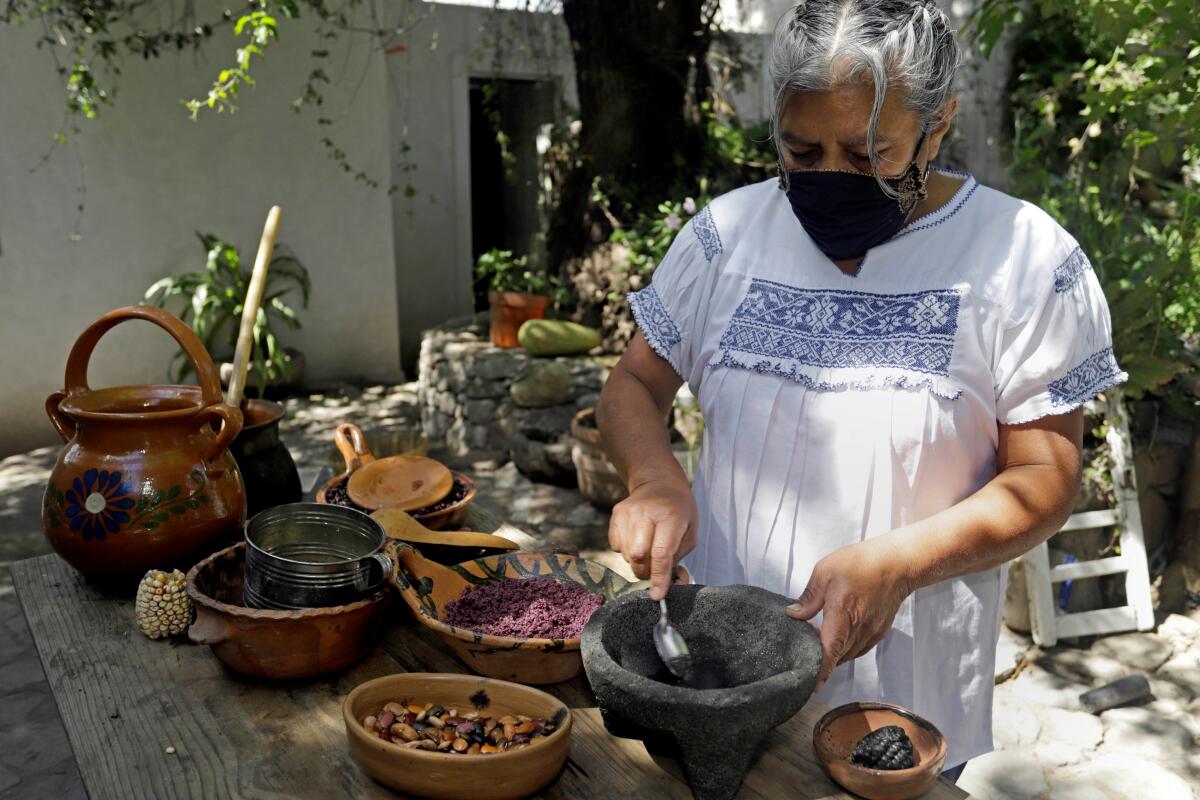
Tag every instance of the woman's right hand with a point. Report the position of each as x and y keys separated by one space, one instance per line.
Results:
x=653 y=528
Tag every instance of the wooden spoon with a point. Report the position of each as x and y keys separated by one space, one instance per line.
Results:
x=403 y=482
x=401 y=525
x=254 y=294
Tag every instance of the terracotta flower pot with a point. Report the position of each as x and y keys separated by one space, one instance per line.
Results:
x=144 y=481
x=510 y=310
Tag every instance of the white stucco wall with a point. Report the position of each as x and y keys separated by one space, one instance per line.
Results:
x=153 y=177
x=430 y=111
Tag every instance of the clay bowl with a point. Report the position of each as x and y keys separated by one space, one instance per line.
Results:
x=838 y=731
x=426 y=587
x=767 y=663
x=277 y=645
x=498 y=776
x=448 y=513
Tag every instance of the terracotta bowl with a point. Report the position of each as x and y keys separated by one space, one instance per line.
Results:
x=278 y=645
x=838 y=731
x=426 y=587
x=510 y=774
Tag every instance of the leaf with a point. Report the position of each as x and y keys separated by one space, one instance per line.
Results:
x=179 y=509
x=150 y=526
x=174 y=492
x=160 y=517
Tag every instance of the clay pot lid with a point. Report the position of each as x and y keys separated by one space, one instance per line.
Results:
x=402 y=482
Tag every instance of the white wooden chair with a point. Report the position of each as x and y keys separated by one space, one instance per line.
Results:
x=1047 y=625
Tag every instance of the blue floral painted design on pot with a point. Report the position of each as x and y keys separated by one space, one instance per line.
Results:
x=98 y=504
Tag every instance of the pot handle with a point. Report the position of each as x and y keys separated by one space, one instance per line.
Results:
x=206 y=371
x=231 y=426
x=208 y=628
x=388 y=564
x=352 y=445
x=62 y=423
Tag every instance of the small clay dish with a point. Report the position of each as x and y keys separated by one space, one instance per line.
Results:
x=427 y=587
x=446 y=514
x=497 y=776
x=839 y=730
x=277 y=645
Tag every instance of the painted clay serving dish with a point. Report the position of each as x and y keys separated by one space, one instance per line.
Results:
x=498 y=776
x=447 y=513
x=427 y=587
x=277 y=645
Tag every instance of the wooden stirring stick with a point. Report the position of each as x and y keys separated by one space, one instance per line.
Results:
x=400 y=525
x=254 y=294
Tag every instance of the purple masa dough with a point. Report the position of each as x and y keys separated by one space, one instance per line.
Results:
x=525 y=609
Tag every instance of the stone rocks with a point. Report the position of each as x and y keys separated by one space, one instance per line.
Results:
x=1081 y=666
x=1139 y=731
x=1041 y=687
x=1180 y=631
x=549 y=462
x=465 y=403
x=1076 y=729
x=1184 y=671
x=1003 y=775
x=1141 y=651
x=1013 y=722
x=545 y=337
x=1127 y=778
x=540 y=385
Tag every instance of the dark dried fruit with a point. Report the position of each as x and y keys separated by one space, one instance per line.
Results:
x=886 y=748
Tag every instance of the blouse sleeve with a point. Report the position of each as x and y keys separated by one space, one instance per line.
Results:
x=670 y=310
x=1058 y=354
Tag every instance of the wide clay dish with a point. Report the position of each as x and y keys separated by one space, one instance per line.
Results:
x=427 y=587
x=277 y=644
x=403 y=482
x=447 y=514
x=836 y=733
x=768 y=664
x=499 y=776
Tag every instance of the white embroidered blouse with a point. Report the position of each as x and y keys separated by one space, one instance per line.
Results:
x=840 y=407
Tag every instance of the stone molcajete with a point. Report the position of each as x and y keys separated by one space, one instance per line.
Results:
x=768 y=662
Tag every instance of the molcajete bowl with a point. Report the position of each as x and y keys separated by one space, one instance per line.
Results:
x=278 y=645
x=768 y=664
x=427 y=587
x=835 y=735
x=499 y=776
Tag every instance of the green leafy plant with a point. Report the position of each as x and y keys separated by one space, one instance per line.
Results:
x=505 y=273
x=1106 y=137
x=213 y=300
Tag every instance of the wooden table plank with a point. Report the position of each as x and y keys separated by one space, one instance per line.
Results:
x=124 y=699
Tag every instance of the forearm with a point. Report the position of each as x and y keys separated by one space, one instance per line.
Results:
x=634 y=430
x=1021 y=507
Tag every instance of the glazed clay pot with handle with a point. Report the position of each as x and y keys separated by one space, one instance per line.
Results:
x=146 y=479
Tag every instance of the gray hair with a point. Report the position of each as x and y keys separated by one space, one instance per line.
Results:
x=820 y=44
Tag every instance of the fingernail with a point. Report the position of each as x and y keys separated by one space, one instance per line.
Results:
x=795 y=608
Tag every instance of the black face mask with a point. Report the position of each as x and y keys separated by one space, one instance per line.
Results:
x=848 y=213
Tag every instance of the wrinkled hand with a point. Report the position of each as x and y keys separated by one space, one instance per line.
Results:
x=860 y=588
x=653 y=528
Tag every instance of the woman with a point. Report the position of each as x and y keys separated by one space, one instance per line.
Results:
x=890 y=360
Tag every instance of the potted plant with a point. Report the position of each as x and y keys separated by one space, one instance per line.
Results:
x=515 y=293
x=212 y=306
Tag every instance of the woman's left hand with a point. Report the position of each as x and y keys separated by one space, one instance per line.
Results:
x=860 y=588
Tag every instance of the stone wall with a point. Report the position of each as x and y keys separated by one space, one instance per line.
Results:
x=468 y=401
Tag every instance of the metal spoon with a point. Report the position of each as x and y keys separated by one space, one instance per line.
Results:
x=671 y=647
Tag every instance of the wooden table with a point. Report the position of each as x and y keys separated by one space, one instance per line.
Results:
x=125 y=699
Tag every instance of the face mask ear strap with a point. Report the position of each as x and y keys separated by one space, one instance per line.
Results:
x=779 y=171
x=912 y=187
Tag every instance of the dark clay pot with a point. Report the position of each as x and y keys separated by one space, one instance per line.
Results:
x=266 y=465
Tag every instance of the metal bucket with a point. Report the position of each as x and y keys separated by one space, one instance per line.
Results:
x=313 y=555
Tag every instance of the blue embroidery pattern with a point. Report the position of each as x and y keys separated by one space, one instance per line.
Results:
x=1067 y=273
x=655 y=323
x=1097 y=373
x=835 y=328
x=706 y=231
